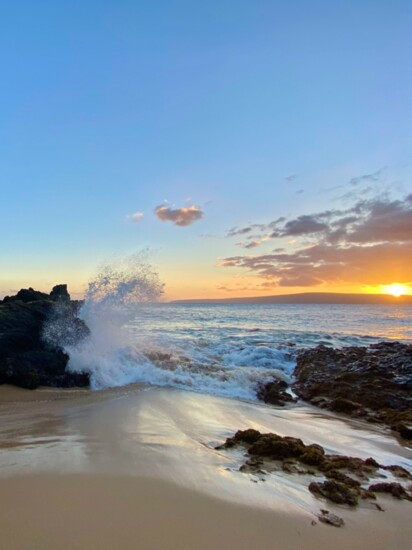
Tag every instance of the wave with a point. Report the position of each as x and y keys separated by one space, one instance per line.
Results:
x=115 y=355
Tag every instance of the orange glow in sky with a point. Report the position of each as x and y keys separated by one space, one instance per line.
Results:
x=396 y=289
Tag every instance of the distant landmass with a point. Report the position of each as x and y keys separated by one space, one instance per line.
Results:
x=308 y=298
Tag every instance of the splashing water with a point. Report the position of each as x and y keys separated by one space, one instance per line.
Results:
x=226 y=350
x=120 y=350
x=108 y=354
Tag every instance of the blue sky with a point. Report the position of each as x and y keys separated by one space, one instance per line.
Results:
x=109 y=108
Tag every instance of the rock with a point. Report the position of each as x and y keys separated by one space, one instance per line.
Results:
x=26 y=295
x=292 y=453
x=335 y=491
x=377 y=378
x=394 y=489
x=331 y=519
x=29 y=355
x=343 y=405
x=275 y=393
x=336 y=475
x=372 y=462
x=59 y=292
x=276 y=447
x=403 y=430
x=247 y=437
x=313 y=455
x=398 y=471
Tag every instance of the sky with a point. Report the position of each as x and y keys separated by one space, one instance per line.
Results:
x=251 y=148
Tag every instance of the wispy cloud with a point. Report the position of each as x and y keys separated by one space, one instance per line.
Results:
x=136 y=217
x=179 y=216
x=367 y=243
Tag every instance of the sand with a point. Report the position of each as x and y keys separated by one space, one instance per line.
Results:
x=136 y=468
x=108 y=512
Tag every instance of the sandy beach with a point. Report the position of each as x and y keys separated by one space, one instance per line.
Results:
x=106 y=512
x=136 y=467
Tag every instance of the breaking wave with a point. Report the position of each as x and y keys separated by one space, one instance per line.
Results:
x=126 y=346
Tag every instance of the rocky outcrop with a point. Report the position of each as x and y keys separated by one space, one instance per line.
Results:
x=345 y=477
x=34 y=328
x=374 y=383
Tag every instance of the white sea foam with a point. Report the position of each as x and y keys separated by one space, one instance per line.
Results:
x=223 y=350
x=115 y=355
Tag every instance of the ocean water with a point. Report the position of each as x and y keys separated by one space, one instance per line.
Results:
x=225 y=350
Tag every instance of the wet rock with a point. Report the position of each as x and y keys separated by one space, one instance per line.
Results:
x=345 y=475
x=394 y=489
x=313 y=455
x=27 y=357
x=343 y=405
x=331 y=519
x=247 y=437
x=275 y=393
x=377 y=378
x=372 y=462
x=398 y=471
x=276 y=447
x=336 y=475
x=340 y=462
x=335 y=491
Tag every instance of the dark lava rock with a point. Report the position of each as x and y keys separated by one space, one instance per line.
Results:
x=26 y=295
x=59 y=292
x=377 y=378
x=275 y=393
x=292 y=453
x=335 y=491
x=247 y=437
x=394 y=489
x=277 y=447
x=34 y=327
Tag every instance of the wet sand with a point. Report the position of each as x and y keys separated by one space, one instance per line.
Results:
x=137 y=468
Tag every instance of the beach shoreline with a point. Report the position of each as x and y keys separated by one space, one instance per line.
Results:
x=137 y=467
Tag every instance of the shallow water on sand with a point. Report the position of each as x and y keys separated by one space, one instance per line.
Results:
x=171 y=434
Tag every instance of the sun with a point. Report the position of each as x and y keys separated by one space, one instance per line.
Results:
x=396 y=290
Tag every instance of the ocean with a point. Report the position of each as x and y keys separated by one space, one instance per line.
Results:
x=224 y=350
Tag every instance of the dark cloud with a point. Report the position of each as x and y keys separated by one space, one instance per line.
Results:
x=370 y=242
x=179 y=216
x=303 y=225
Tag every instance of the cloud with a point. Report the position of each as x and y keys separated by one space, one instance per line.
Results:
x=303 y=225
x=136 y=217
x=368 y=243
x=250 y=244
x=236 y=231
x=375 y=176
x=179 y=216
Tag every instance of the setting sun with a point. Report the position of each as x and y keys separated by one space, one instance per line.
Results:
x=396 y=290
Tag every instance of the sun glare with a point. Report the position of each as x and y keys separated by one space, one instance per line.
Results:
x=396 y=290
